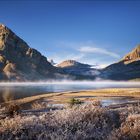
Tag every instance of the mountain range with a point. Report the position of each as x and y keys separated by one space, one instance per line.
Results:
x=78 y=69
x=19 y=62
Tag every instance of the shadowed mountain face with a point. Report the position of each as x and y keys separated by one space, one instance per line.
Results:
x=20 y=62
x=126 y=69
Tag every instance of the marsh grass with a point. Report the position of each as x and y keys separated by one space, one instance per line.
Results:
x=12 y=109
x=38 y=105
x=84 y=122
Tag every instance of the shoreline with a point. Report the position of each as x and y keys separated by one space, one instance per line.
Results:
x=85 y=95
x=119 y=120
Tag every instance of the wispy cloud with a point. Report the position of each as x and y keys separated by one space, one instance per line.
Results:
x=96 y=50
x=76 y=56
x=84 y=52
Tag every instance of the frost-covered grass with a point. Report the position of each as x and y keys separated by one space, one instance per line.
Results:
x=81 y=122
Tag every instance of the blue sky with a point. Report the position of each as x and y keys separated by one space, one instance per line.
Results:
x=89 y=31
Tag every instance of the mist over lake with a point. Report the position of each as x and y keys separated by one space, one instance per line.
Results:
x=10 y=91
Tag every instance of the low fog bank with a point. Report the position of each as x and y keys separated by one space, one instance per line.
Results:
x=70 y=82
x=16 y=90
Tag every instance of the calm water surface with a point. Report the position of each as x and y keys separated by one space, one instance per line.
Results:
x=9 y=91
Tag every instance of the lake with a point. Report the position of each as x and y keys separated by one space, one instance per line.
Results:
x=10 y=91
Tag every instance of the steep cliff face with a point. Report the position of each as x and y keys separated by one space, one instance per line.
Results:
x=126 y=69
x=20 y=62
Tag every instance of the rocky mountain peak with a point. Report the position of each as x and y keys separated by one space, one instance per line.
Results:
x=126 y=69
x=66 y=63
x=134 y=55
x=4 y=29
x=20 y=62
x=71 y=63
x=2 y=25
